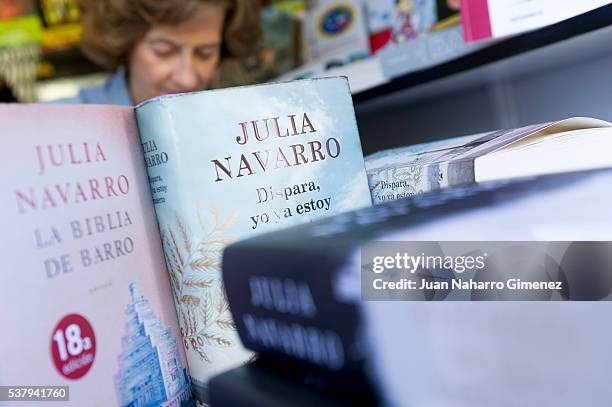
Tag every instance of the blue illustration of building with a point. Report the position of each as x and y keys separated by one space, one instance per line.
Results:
x=150 y=369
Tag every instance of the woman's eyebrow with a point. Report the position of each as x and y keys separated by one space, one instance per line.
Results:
x=205 y=46
x=162 y=41
x=209 y=45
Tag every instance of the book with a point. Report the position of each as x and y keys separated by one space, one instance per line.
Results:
x=115 y=219
x=335 y=32
x=269 y=382
x=484 y=19
x=568 y=145
x=304 y=300
x=423 y=34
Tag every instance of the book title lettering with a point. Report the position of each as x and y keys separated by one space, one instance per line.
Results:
x=70 y=192
x=152 y=156
x=57 y=193
x=307 y=342
x=262 y=130
x=100 y=252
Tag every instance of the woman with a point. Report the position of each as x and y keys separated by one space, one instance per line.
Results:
x=158 y=47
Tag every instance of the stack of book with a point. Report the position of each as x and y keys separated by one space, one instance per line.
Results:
x=115 y=220
x=299 y=295
x=188 y=251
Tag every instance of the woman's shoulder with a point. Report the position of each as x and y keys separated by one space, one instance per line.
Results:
x=112 y=92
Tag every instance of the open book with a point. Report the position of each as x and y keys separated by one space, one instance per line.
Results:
x=85 y=292
x=568 y=145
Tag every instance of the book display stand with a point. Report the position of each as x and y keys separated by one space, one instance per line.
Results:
x=243 y=246
x=554 y=72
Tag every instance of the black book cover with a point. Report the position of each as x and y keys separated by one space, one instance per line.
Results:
x=288 y=289
x=272 y=383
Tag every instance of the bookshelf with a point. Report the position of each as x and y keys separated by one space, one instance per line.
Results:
x=554 y=72
x=497 y=51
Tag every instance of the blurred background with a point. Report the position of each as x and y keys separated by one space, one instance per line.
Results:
x=413 y=75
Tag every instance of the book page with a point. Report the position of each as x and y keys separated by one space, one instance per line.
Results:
x=559 y=128
x=577 y=150
x=84 y=292
x=505 y=138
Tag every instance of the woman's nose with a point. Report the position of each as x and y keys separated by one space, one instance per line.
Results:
x=185 y=75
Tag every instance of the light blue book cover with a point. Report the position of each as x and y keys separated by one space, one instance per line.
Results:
x=227 y=164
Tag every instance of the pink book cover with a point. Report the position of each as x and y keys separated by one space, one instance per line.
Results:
x=85 y=300
x=476 y=20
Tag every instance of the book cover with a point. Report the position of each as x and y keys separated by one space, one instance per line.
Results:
x=84 y=292
x=424 y=33
x=228 y=164
x=303 y=299
x=335 y=32
x=276 y=383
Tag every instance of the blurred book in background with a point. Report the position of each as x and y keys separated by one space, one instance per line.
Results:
x=336 y=32
x=62 y=23
x=425 y=33
x=485 y=19
x=280 y=50
x=20 y=37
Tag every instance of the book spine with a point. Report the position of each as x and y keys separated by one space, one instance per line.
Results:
x=403 y=181
x=156 y=132
x=287 y=307
x=172 y=198
x=156 y=135
x=476 y=20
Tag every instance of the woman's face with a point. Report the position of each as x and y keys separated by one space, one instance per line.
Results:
x=177 y=58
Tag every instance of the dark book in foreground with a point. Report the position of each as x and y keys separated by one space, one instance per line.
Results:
x=297 y=293
x=271 y=383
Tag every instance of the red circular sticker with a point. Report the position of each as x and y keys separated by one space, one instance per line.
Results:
x=73 y=346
